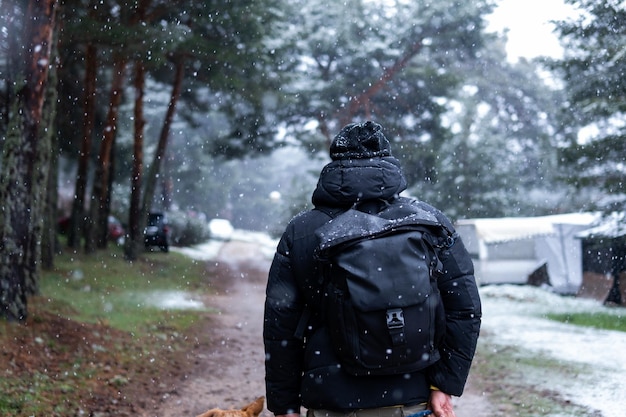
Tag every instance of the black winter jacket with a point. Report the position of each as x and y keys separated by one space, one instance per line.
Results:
x=307 y=373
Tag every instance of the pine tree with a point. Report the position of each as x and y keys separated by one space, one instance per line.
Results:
x=21 y=189
x=593 y=69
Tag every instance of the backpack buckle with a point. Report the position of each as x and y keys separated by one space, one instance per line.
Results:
x=395 y=325
x=395 y=318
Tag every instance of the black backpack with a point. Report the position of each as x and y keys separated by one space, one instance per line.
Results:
x=380 y=299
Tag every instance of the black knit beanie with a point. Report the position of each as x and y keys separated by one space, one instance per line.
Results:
x=360 y=141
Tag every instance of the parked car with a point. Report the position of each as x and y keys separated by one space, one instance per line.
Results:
x=157 y=231
x=115 y=230
x=220 y=229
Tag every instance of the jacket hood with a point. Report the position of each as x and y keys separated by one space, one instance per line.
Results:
x=345 y=182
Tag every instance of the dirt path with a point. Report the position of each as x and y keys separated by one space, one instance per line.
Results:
x=232 y=374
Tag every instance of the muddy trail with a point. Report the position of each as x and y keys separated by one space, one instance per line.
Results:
x=230 y=373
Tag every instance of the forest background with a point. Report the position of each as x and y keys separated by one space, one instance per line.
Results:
x=226 y=108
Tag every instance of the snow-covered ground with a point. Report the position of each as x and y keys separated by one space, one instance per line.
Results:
x=206 y=251
x=515 y=316
x=209 y=250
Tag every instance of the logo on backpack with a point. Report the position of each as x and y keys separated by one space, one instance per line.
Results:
x=380 y=298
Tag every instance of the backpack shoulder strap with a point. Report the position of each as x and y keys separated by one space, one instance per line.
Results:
x=307 y=312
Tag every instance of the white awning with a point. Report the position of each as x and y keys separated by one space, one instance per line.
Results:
x=492 y=230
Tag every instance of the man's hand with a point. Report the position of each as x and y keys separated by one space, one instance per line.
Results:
x=441 y=404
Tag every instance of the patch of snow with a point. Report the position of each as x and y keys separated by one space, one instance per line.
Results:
x=202 y=252
x=515 y=316
x=266 y=243
x=208 y=251
x=172 y=300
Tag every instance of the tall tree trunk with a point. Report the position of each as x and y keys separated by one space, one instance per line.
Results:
x=105 y=207
x=134 y=235
x=13 y=194
x=77 y=219
x=100 y=189
x=10 y=58
x=48 y=160
x=153 y=172
x=18 y=185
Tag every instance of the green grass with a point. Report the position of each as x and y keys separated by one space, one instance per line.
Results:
x=95 y=289
x=105 y=287
x=520 y=381
x=597 y=320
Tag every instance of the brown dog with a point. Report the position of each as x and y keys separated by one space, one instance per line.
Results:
x=251 y=410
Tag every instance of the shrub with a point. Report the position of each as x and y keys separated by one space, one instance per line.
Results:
x=187 y=230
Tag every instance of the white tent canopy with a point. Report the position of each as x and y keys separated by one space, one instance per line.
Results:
x=508 y=250
x=494 y=230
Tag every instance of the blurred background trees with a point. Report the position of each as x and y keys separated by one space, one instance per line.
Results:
x=225 y=109
x=593 y=112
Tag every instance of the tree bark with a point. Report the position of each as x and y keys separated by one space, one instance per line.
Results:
x=152 y=176
x=101 y=179
x=136 y=217
x=48 y=161
x=77 y=219
x=134 y=235
x=19 y=266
